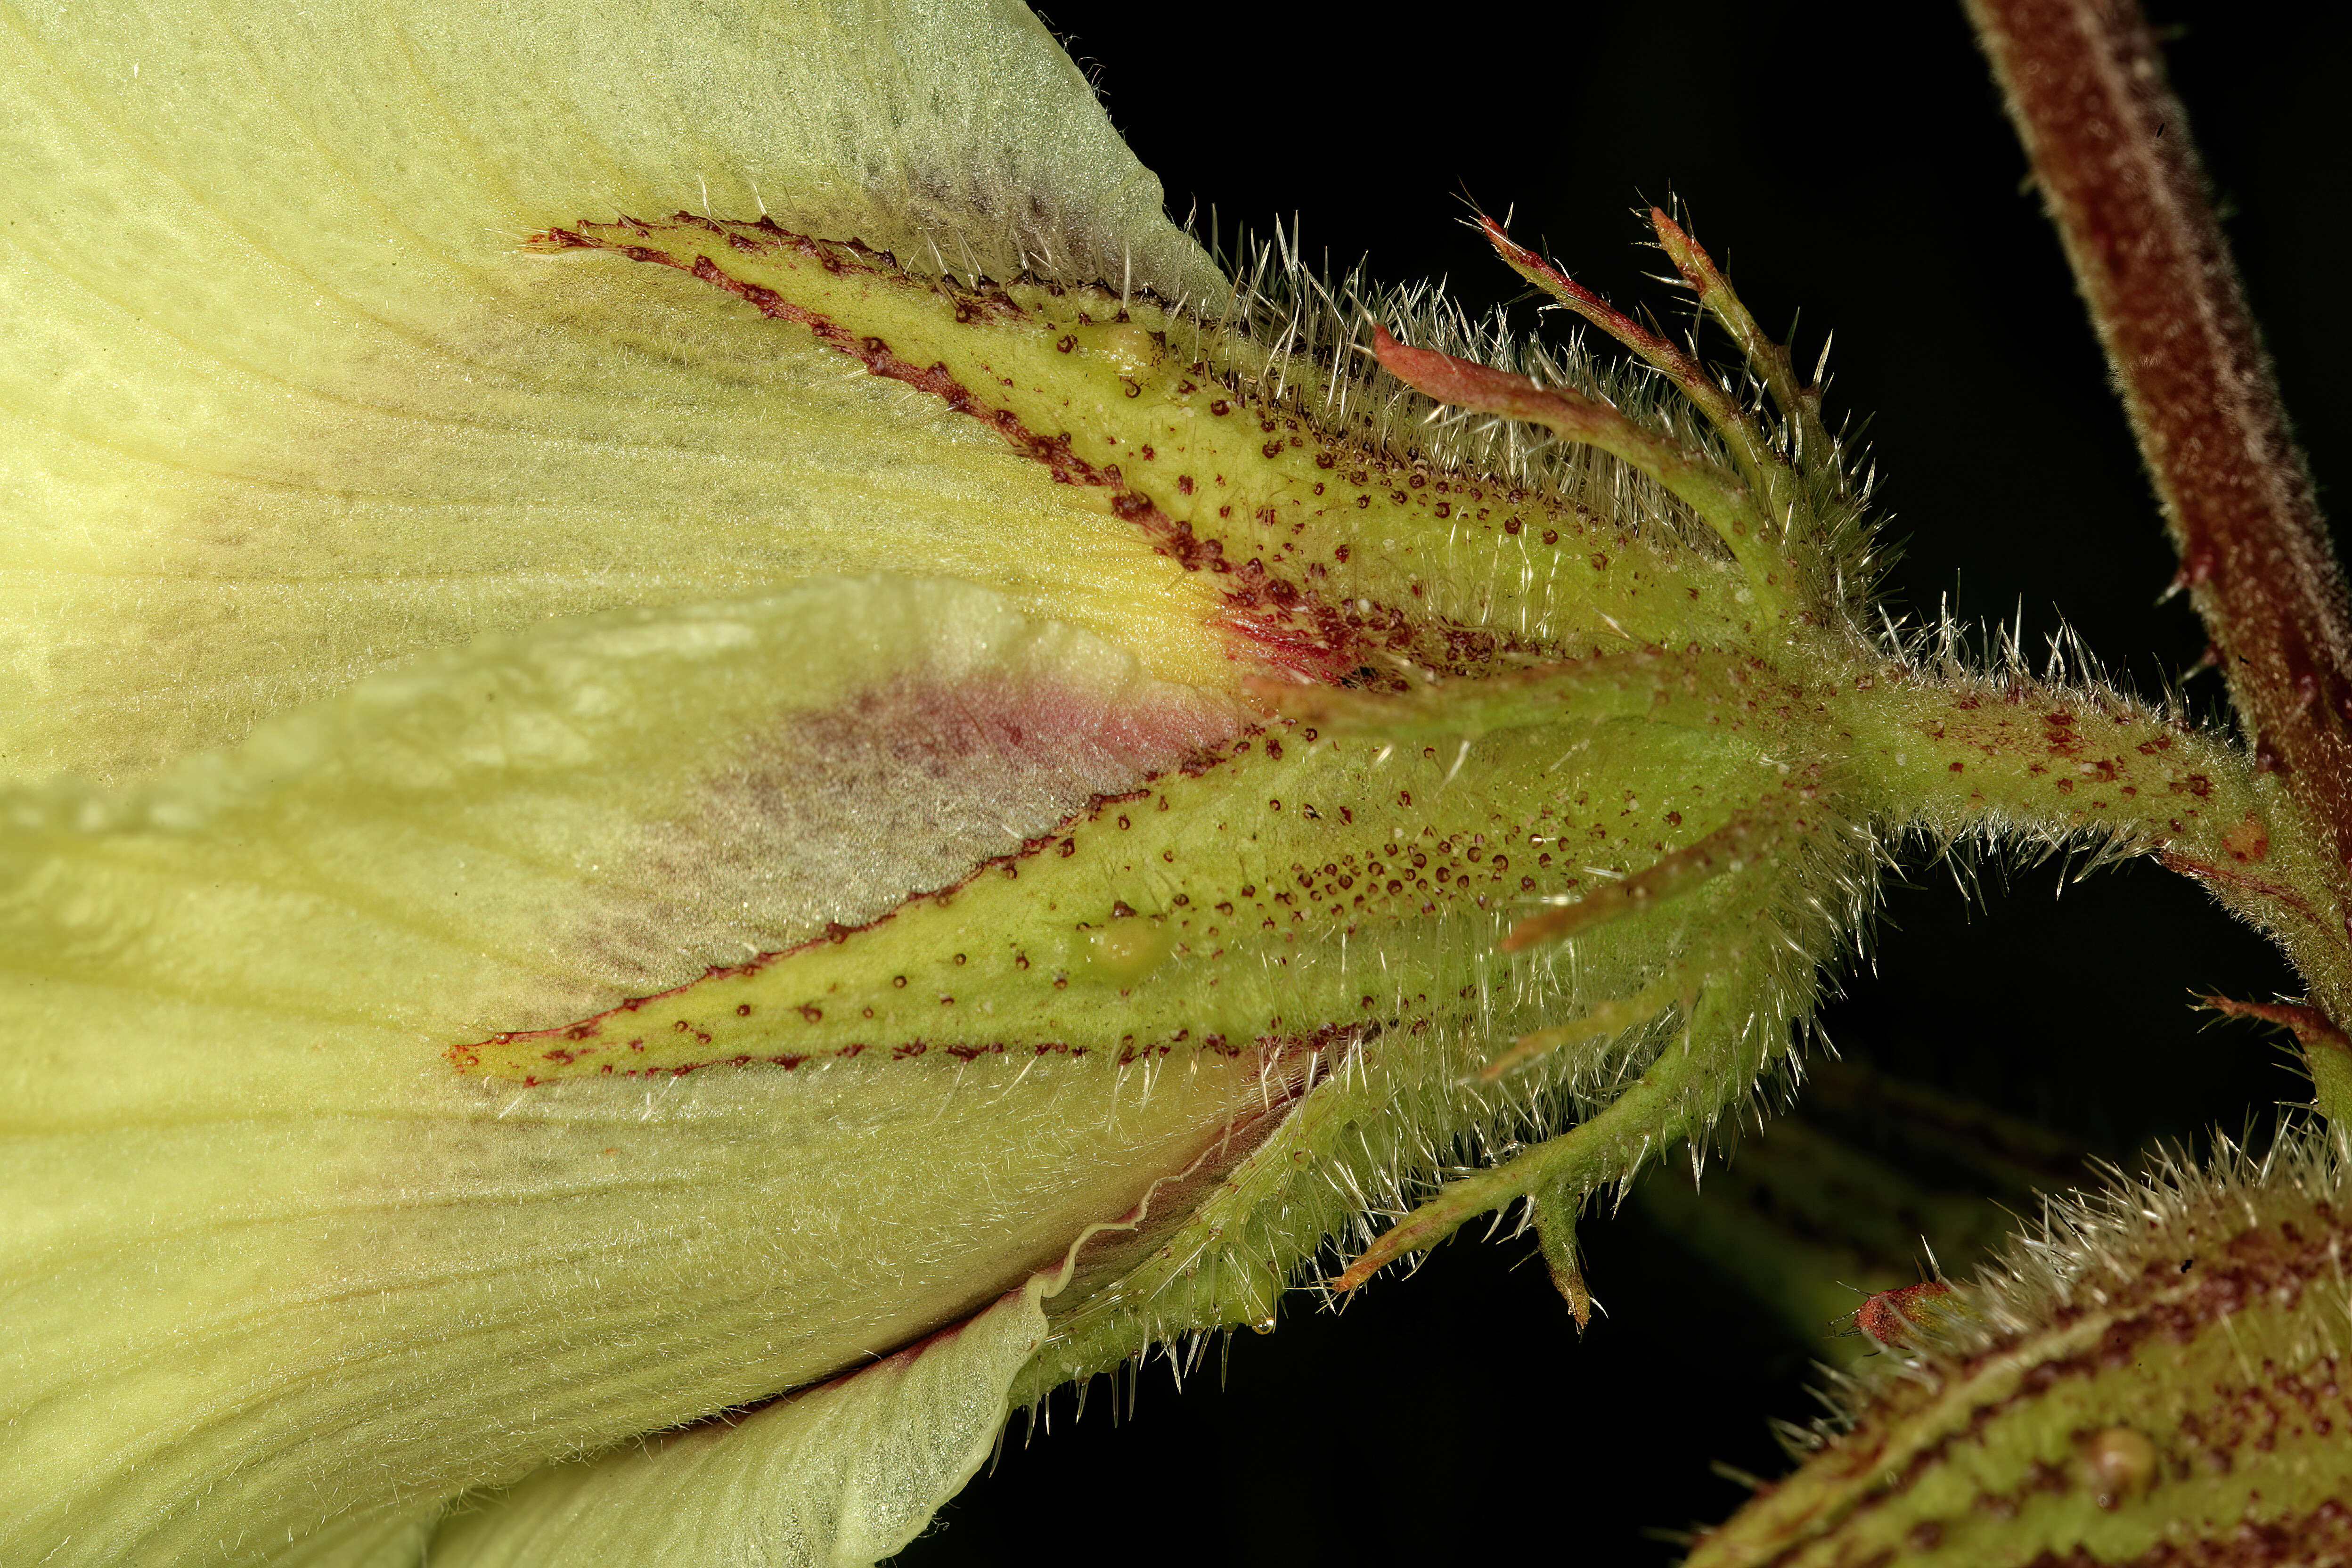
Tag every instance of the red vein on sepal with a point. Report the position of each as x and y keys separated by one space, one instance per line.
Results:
x=1291 y=628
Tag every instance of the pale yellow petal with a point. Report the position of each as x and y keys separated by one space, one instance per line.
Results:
x=274 y=1264
x=286 y=400
x=838 y=1478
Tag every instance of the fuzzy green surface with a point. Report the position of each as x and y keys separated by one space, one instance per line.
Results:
x=660 y=823
x=2160 y=1378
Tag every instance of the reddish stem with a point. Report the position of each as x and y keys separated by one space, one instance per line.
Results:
x=2309 y=1023
x=2111 y=150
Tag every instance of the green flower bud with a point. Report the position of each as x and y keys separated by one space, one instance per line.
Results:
x=2153 y=1371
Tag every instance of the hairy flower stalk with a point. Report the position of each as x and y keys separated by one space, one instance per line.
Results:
x=775 y=744
x=2087 y=89
x=2155 y=1377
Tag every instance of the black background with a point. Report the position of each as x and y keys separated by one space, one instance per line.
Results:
x=1850 y=159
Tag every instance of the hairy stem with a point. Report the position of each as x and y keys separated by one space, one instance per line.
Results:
x=2110 y=150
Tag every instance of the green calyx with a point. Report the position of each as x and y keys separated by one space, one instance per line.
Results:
x=1571 y=803
x=692 y=811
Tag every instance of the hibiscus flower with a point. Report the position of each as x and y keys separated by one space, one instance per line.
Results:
x=717 y=764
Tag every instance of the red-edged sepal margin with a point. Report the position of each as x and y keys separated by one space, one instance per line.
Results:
x=1337 y=553
x=1288 y=882
x=1296 y=880
x=2157 y=1374
x=1581 y=775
